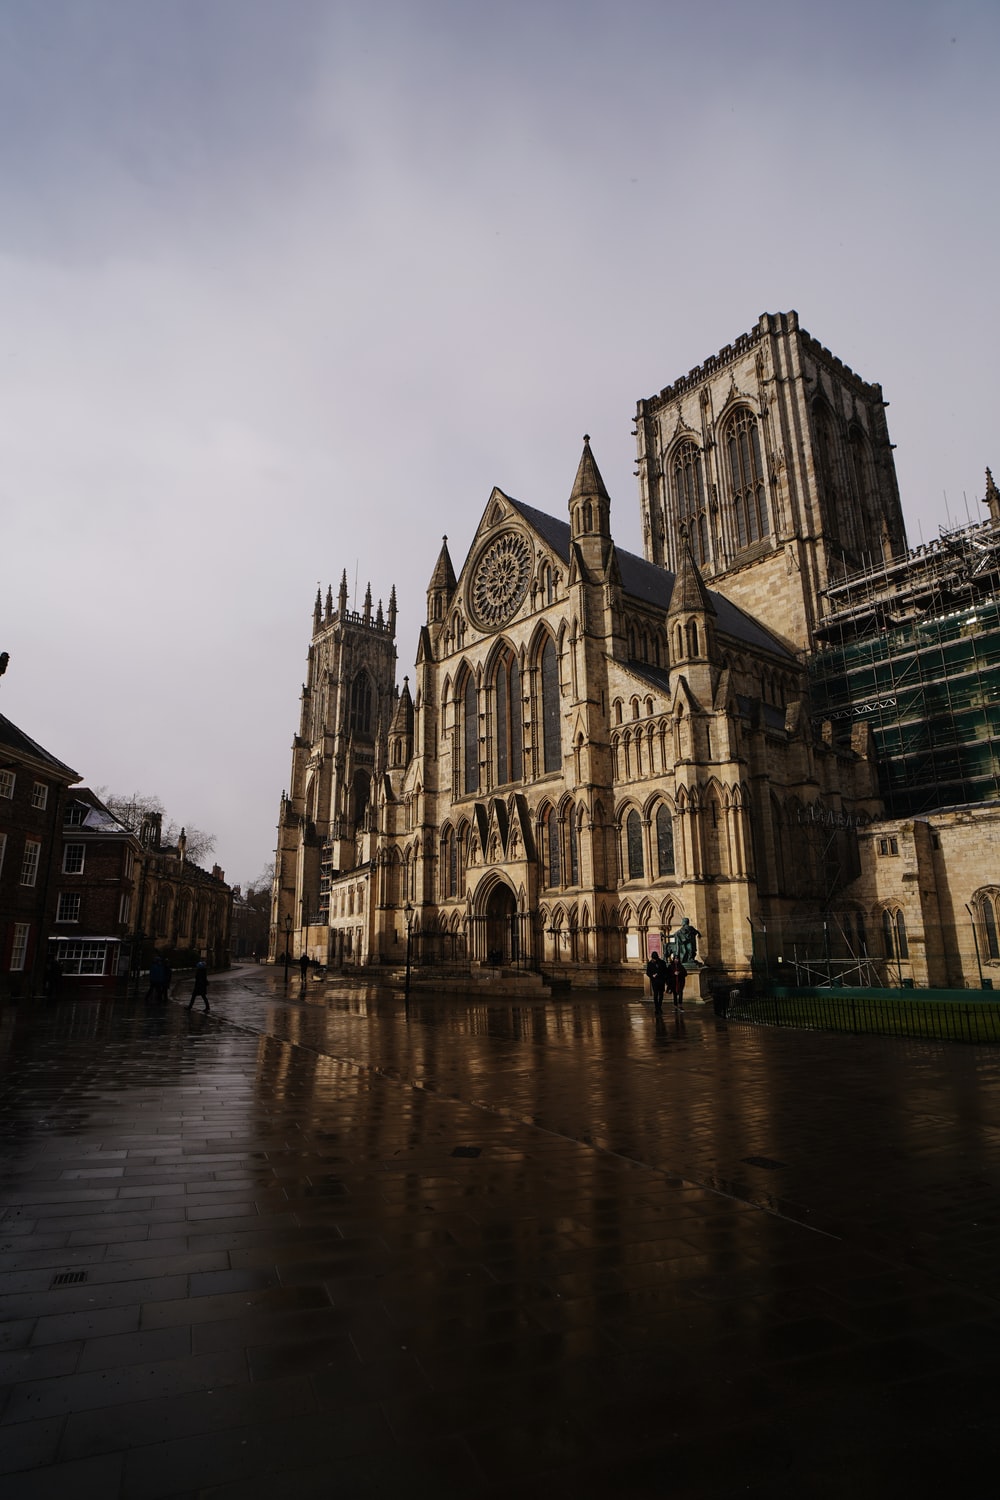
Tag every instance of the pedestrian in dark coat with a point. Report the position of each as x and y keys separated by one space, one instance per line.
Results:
x=676 y=975
x=304 y=967
x=200 y=984
x=157 y=978
x=656 y=972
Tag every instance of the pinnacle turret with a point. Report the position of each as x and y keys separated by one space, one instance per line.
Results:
x=442 y=585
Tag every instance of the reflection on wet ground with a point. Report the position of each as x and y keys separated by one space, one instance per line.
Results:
x=327 y=1240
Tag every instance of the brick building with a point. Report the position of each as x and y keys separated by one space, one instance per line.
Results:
x=92 y=904
x=33 y=787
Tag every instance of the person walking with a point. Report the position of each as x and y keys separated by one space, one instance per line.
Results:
x=200 y=984
x=675 y=976
x=656 y=972
x=304 y=966
x=157 y=977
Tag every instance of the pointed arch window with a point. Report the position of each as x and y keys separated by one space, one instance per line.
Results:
x=633 y=846
x=894 y=934
x=573 y=824
x=551 y=744
x=507 y=726
x=551 y=852
x=361 y=704
x=689 y=497
x=470 y=734
x=746 y=477
x=664 y=841
x=988 y=919
x=362 y=796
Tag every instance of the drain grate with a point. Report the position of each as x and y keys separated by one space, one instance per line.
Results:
x=466 y=1151
x=68 y=1278
x=767 y=1162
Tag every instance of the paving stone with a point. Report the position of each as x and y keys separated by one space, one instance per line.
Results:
x=342 y=1247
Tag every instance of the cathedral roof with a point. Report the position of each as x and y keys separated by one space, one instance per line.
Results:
x=651 y=584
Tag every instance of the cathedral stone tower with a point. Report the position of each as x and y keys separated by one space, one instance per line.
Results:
x=776 y=458
x=327 y=822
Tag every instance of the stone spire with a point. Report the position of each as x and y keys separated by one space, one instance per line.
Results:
x=317 y=616
x=441 y=587
x=392 y=611
x=368 y=604
x=590 y=512
x=401 y=732
x=342 y=596
x=691 y=617
x=328 y=613
x=689 y=594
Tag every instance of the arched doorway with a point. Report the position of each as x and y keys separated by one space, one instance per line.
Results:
x=502 y=945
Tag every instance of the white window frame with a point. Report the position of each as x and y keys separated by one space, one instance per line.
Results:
x=73 y=868
x=7 y=780
x=124 y=907
x=76 y=814
x=19 y=946
x=68 y=907
x=3 y=849
x=30 y=862
x=39 y=796
x=82 y=957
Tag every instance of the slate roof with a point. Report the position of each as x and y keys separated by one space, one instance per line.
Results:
x=16 y=740
x=650 y=584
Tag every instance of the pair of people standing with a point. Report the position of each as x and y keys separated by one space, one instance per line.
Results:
x=663 y=976
x=160 y=976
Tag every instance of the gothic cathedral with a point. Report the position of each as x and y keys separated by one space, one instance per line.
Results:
x=599 y=745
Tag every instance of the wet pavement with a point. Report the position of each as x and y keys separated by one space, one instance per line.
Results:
x=320 y=1243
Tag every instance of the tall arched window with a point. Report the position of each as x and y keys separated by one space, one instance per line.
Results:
x=507 y=726
x=746 y=477
x=894 y=934
x=902 y=946
x=551 y=743
x=550 y=847
x=361 y=704
x=573 y=823
x=689 y=497
x=633 y=846
x=449 y=864
x=988 y=919
x=664 y=840
x=470 y=734
x=362 y=796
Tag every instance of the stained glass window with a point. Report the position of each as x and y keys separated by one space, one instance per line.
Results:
x=664 y=840
x=552 y=747
x=746 y=473
x=471 y=730
x=633 y=839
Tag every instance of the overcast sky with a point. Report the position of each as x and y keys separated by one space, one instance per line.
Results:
x=286 y=286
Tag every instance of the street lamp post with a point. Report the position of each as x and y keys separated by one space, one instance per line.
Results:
x=408 y=914
x=288 y=941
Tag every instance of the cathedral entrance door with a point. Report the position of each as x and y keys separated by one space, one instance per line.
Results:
x=501 y=926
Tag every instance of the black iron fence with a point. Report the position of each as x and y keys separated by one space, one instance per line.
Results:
x=942 y=1015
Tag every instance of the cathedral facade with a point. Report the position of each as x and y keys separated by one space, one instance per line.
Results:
x=597 y=746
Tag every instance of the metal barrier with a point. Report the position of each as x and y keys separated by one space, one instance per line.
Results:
x=950 y=1016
